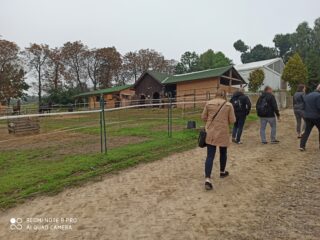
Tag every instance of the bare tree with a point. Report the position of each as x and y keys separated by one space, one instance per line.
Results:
x=103 y=66
x=12 y=74
x=92 y=63
x=37 y=56
x=135 y=63
x=110 y=65
x=170 y=66
x=8 y=53
x=74 y=58
x=130 y=66
x=12 y=82
x=55 y=69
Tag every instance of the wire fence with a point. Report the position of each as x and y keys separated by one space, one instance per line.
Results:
x=190 y=98
x=78 y=129
x=59 y=134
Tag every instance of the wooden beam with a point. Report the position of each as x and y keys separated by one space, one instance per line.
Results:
x=231 y=78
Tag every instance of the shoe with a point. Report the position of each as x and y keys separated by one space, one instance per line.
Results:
x=208 y=185
x=299 y=136
x=264 y=142
x=224 y=174
x=234 y=140
x=302 y=149
x=239 y=142
x=275 y=142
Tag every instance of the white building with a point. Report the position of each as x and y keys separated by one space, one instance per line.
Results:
x=272 y=68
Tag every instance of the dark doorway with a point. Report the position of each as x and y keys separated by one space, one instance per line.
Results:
x=155 y=98
x=171 y=91
x=142 y=99
x=156 y=95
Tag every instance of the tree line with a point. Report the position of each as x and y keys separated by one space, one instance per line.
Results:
x=304 y=43
x=73 y=67
x=60 y=73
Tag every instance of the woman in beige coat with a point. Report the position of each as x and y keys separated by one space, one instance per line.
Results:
x=217 y=132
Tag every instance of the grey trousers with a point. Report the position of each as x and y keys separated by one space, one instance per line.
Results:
x=299 y=120
x=263 y=125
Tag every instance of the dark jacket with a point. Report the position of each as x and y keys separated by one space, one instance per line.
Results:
x=312 y=105
x=245 y=104
x=272 y=106
x=298 y=102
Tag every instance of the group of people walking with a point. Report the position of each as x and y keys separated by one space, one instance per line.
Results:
x=219 y=114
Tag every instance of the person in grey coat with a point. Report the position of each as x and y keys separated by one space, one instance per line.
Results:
x=267 y=111
x=311 y=115
x=298 y=105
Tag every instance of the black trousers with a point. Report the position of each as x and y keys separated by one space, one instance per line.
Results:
x=310 y=123
x=211 y=152
x=238 y=127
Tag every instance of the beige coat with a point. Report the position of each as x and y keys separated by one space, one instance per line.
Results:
x=218 y=130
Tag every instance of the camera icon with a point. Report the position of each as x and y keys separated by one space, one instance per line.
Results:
x=16 y=223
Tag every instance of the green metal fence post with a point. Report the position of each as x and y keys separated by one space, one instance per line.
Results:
x=103 y=132
x=104 y=128
x=169 y=115
x=100 y=113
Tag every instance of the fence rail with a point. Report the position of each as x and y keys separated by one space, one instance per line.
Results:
x=172 y=102
x=94 y=127
x=192 y=100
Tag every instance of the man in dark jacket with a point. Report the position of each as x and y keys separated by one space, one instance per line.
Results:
x=267 y=110
x=242 y=107
x=311 y=116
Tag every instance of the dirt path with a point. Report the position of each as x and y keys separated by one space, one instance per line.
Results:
x=272 y=193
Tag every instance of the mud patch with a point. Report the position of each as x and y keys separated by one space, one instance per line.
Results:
x=66 y=143
x=92 y=145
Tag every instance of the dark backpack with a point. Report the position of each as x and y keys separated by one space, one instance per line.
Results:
x=262 y=107
x=236 y=103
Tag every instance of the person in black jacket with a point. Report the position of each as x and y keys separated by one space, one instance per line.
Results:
x=242 y=107
x=267 y=110
x=311 y=115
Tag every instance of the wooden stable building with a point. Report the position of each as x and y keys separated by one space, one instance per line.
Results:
x=202 y=85
x=3 y=108
x=189 y=87
x=114 y=97
x=2 y=105
x=149 y=86
x=154 y=87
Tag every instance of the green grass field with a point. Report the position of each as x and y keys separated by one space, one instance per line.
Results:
x=30 y=168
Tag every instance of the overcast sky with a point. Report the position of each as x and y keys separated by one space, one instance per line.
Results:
x=168 y=26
